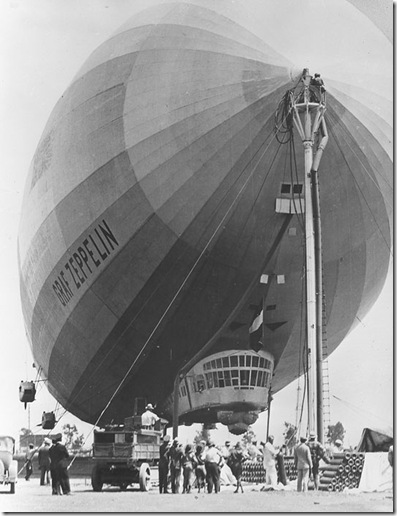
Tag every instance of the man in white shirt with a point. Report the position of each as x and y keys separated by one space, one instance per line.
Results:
x=227 y=477
x=149 y=418
x=213 y=462
x=269 y=461
x=253 y=451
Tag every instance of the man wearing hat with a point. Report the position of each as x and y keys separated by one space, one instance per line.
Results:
x=29 y=461
x=227 y=477
x=303 y=463
x=164 y=464
x=175 y=454
x=226 y=450
x=213 y=463
x=317 y=452
x=235 y=462
x=269 y=461
x=44 y=461
x=59 y=466
x=149 y=418
x=338 y=446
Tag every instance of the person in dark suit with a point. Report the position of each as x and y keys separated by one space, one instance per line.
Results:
x=175 y=454
x=164 y=464
x=303 y=463
x=235 y=461
x=200 y=467
x=44 y=462
x=59 y=467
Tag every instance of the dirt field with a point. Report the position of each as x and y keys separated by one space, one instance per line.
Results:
x=31 y=497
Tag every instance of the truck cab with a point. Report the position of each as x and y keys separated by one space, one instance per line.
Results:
x=123 y=454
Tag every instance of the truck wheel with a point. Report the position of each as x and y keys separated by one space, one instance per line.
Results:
x=12 y=487
x=96 y=479
x=144 y=477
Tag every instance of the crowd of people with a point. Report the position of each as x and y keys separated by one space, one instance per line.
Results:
x=52 y=459
x=202 y=466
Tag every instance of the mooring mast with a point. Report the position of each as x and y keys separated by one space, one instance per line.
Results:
x=307 y=105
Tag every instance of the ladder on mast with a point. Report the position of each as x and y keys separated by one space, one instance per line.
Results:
x=325 y=393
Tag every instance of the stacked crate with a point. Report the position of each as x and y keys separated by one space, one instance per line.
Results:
x=344 y=470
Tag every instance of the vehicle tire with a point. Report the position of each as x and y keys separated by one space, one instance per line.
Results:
x=144 y=477
x=123 y=486
x=96 y=479
x=12 y=487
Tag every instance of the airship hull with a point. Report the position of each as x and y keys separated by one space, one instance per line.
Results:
x=149 y=215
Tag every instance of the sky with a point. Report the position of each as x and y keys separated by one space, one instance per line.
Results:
x=43 y=43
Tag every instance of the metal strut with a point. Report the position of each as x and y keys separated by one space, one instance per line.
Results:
x=319 y=281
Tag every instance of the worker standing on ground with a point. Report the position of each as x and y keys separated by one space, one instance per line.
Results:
x=269 y=462
x=338 y=448
x=59 y=467
x=225 y=450
x=317 y=452
x=44 y=462
x=175 y=454
x=235 y=461
x=227 y=477
x=188 y=464
x=303 y=463
x=253 y=451
x=164 y=464
x=149 y=418
x=213 y=464
x=29 y=461
x=200 y=467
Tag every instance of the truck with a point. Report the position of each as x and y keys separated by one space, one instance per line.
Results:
x=124 y=454
x=8 y=466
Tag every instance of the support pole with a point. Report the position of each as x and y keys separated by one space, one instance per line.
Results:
x=319 y=305
x=175 y=418
x=311 y=326
x=319 y=279
x=269 y=402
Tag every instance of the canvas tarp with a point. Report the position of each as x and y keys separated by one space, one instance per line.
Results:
x=375 y=440
x=377 y=474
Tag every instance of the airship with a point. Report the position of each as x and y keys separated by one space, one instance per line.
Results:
x=163 y=214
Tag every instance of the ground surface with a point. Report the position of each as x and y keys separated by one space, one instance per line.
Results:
x=31 y=497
